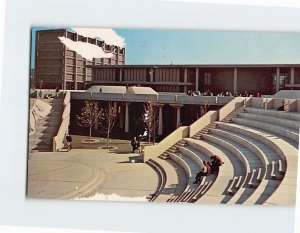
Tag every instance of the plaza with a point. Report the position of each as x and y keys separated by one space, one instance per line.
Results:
x=248 y=115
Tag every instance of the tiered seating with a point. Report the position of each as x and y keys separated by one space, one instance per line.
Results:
x=280 y=126
x=282 y=155
x=169 y=183
x=259 y=148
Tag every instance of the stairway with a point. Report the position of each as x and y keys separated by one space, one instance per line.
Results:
x=47 y=127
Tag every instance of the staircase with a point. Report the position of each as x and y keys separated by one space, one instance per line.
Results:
x=47 y=127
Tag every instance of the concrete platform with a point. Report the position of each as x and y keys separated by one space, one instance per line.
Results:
x=90 y=172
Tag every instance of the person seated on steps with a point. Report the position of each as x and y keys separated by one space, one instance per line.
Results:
x=215 y=164
x=281 y=108
x=203 y=172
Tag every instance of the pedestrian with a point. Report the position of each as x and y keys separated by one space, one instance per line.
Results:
x=134 y=144
x=69 y=141
x=56 y=92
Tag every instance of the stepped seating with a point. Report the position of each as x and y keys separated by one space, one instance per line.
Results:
x=259 y=148
x=282 y=153
x=281 y=131
x=47 y=128
x=168 y=181
x=217 y=192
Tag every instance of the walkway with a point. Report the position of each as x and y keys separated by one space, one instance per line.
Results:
x=87 y=172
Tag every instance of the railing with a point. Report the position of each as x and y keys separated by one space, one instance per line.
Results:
x=59 y=139
x=202 y=122
x=156 y=150
x=160 y=98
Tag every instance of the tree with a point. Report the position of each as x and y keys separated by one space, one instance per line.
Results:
x=204 y=108
x=150 y=119
x=109 y=119
x=91 y=114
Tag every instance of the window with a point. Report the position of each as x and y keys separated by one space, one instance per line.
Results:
x=207 y=79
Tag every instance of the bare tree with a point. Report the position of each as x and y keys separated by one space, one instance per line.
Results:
x=151 y=120
x=204 y=108
x=109 y=119
x=91 y=114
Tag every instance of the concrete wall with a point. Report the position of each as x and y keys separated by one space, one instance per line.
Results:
x=202 y=122
x=155 y=150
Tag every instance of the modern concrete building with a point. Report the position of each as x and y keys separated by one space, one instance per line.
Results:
x=262 y=78
x=58 y=66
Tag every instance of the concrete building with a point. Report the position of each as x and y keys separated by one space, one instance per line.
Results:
x=262 y=78
x=58 y=66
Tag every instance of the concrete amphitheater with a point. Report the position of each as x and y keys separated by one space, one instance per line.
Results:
x=258 y=144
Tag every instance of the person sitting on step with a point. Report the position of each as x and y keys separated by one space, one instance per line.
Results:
x=203 y=172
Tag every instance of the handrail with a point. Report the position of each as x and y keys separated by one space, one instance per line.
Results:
x=59 y=139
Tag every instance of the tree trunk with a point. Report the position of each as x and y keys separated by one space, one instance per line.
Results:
x=107 y=141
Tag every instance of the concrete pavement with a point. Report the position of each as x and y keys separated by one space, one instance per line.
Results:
x=86 y=172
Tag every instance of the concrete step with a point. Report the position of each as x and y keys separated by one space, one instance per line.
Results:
x=232 y=166
x=279 y=130
x=271 y=112
x=272 y=120
x=286 y=151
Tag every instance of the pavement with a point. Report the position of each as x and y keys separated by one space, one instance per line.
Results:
x=91 y=171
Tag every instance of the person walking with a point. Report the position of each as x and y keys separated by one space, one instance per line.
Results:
x=69 y=141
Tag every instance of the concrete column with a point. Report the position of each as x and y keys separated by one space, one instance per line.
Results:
x=197 y=80
x=160 y=119
x=127 y=118
x=121 y=75
x=178 y=118
x=277 y=79
x=151 y=76
x=185 y=79
x=292 y=76
x=234 y=80
x=121 y=117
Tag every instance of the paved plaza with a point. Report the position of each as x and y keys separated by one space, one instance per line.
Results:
x=89 y=170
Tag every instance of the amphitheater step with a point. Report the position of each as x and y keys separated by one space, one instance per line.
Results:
x=281 y=131
x=272 y=120
x=232 y=166
x=287 y=152
x=295 y=116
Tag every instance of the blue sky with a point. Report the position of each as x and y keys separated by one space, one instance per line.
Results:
x=207 y=47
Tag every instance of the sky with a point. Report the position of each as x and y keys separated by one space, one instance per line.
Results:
x=206 y=47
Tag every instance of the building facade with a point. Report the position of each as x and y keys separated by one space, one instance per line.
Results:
x=58 y=66
x=263 y=79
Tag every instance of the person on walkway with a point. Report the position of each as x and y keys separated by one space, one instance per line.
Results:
x=203 y=172
x=56 y=92
x=69 y=141
x=134 y=144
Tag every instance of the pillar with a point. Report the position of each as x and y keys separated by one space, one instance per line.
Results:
x=197 y=80
x=151 y=75
x=292 y=81
x=160 y=118
x=178 y=118
x=127 y=117
x=121 y=117
x=234 y=81
x=277 y=79
x=121 y=75
x=185 y=80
